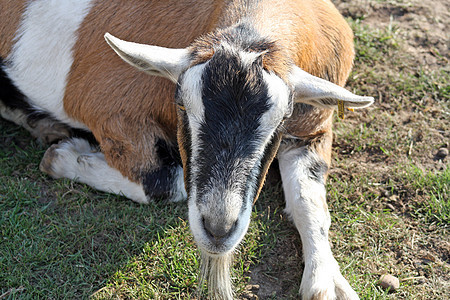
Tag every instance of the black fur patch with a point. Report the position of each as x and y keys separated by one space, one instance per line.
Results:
x=84 y=134
x=234 y=97
x=10 y=95
x=158 y=184
x=317 y=170
x=168 y=154
x=14 y=99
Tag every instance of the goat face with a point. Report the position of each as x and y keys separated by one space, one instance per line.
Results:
x=230 y=110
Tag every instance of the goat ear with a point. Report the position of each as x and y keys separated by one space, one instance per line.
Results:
x=154 y=60
x=319 y=92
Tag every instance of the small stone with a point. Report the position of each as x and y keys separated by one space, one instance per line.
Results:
x=393 y=198
x=442 y=153
x=389 y=282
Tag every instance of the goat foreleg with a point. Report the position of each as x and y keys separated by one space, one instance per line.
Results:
x=303 y=174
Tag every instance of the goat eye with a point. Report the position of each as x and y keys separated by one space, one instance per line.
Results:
x=181 y=107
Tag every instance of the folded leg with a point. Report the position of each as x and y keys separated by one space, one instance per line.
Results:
x=77 y=159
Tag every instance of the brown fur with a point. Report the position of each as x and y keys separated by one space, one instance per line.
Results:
x=10 y=16
x=266 y=166
x=128 y=111
x=323 y=46
x=182 y=142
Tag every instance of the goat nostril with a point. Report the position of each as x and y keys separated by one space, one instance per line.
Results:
x=234 y=226
x=206 y=226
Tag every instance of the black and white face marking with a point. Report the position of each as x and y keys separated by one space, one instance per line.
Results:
x=231 y=109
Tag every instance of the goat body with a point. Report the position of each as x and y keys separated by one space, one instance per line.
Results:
x=252 y=80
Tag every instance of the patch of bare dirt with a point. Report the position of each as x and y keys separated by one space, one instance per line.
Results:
x=278 y=275
x=422 y=24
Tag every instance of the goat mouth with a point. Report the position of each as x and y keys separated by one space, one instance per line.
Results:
x=216 y=249
x=217 y=252
x=214 y=253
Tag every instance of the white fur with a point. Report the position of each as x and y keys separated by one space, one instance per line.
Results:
x=279 y=97
x=40 y=60
x=319 y=92
x=76 y=159
x=215 y=270
x=159 y=61
x=202 y=239
x=305 y=203
x=179 y=190
x=191 y=90
x=249 y=57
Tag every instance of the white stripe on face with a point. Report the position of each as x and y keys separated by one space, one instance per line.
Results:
x=41 y=59
x=191 y=93
x=279 y=95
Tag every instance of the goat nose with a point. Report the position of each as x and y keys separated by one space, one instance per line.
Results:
x=218 y=229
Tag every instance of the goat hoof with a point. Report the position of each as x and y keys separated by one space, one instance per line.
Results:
x=334 y=293
x=324 y=285
x=48 y=131
x=46 y=164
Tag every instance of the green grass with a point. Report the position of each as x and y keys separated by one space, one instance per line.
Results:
x=436 y=189
x=64 y=240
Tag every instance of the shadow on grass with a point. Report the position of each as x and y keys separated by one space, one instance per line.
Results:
x=60 y=239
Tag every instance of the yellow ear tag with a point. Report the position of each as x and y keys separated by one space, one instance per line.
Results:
x=341 y=109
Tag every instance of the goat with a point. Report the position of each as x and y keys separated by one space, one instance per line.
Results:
x=236 y=83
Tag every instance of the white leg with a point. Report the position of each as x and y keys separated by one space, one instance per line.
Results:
x=76 y=159
x=303 y=183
